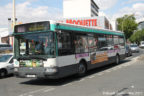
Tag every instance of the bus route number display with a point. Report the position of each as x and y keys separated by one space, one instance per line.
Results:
x=39 y=26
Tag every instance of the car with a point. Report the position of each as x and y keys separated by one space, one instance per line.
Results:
x=6 y=65
x=5 y=47
x=142 y=44
x=134 y=47
x=128 y=51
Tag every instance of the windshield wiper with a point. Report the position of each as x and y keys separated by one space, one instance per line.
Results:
x=36 y=57
x=23 y=58
x=31 y=57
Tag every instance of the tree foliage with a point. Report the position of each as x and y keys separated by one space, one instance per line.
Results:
x=137 y=36
x=127 y=24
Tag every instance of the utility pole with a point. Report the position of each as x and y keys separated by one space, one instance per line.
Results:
x=13 y=22
x=14 y=14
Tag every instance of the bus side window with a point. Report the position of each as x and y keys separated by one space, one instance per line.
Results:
x=81 y=44
x=64 y=44
x=116 y=42
x=121 y=42
x=102 y=42
x=92 y=41
x=110 y=42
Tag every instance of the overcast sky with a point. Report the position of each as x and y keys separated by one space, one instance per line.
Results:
x=35 y=10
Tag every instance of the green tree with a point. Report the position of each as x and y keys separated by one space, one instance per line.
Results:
x=127 y=24
x=137 y=36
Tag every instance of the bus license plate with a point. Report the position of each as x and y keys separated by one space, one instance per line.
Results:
x=31 y=76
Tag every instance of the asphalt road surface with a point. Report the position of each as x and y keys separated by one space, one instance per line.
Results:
x=125 y=79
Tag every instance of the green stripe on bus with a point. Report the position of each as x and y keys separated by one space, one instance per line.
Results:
x=61 y=27
x=52 y=27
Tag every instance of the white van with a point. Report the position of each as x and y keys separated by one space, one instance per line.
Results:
x=6 y=65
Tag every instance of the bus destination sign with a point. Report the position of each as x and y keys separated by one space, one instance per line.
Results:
x=31 y=27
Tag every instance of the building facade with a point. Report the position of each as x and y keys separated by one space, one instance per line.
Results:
x=79 y=8
x=5 y=36
x=98 y=22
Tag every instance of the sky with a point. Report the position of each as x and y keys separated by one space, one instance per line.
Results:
x=40 y=10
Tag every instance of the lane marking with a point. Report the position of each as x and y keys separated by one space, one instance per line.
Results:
x=48 y=90
x=90 y=77
x=32 y=92
x=37 y=90
x=81 y=80
x=132 y=86
x=23 y=94
x=67 y=84
x=100 y=74
x=125 y=65
x=30 y=95
x=114 y=69
x=108 y=71
x=119 y=67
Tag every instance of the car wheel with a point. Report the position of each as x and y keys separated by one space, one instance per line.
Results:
x=130 y=53
x=126 y=54
x=117 y=59
x=3 y=73
x=81 y=69
x=137 y=51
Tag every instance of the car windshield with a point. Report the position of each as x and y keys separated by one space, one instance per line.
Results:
x=37 y=44
x=4 y=58
x=133 y=45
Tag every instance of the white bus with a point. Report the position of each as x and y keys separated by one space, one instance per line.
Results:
x=55 y=50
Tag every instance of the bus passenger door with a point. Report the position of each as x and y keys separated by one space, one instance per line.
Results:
x=66 y=55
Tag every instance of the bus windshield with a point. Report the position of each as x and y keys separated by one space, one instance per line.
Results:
x=37 y=44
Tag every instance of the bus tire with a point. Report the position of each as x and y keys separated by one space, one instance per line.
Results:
x=3 y=73
x=81 y=69
x=117 y=59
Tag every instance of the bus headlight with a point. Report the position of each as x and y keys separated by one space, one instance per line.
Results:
x=16 y=63
x=51 y=70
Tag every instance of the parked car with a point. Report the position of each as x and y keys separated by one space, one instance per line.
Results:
x=142 y=44
x=134 y=47
x=128 y=51
x=6 y=64
x=5 y=47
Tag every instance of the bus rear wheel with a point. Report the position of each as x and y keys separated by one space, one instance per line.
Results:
x=117 y=59
x=81 y=69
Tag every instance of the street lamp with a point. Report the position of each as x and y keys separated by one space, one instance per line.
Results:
x=10 y=24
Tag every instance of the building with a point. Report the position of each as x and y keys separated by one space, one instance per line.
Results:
x=84 y=12
x=141 y=25
x=79 y=8
x=5 y=36
x=114 y=25
x=98 y=22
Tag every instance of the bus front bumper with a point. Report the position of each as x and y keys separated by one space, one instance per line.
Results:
x=36 y=72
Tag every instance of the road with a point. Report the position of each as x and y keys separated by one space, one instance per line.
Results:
x=125 y=79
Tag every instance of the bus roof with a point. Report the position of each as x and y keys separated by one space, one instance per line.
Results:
x=73 y=27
